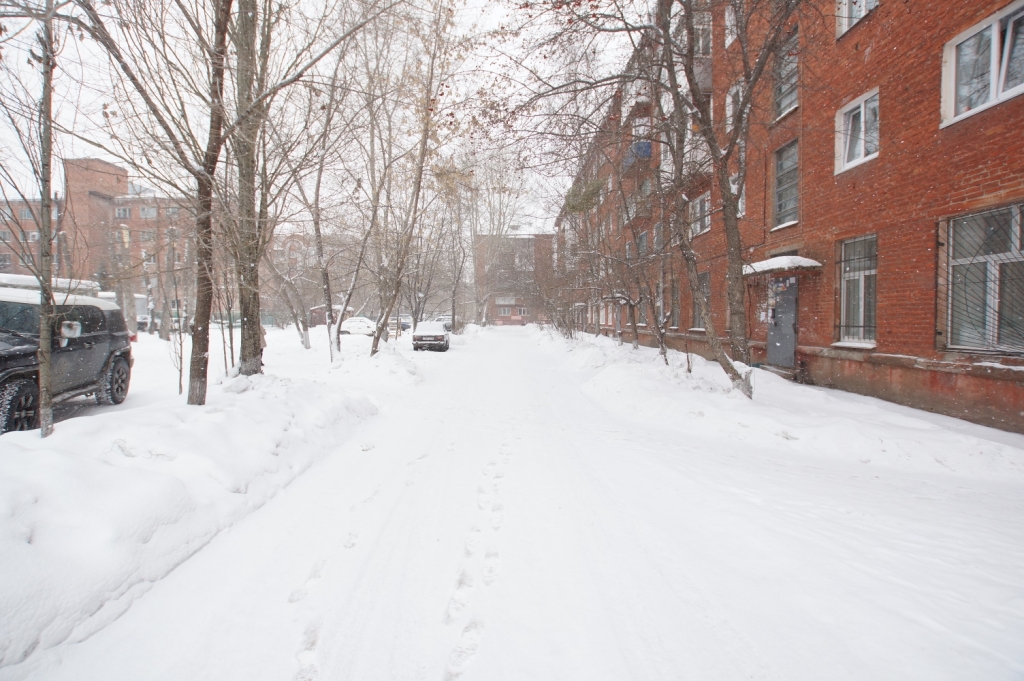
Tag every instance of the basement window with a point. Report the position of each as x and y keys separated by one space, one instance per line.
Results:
x=859 y=271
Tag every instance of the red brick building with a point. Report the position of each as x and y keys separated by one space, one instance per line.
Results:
x=510 y=273
x=882 y=223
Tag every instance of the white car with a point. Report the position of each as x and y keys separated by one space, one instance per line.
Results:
x=432 y=335
x=361 y=326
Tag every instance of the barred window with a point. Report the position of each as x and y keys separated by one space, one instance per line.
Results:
x=859 y=270
x=985 y=280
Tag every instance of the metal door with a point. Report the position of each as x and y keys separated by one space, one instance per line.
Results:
x=782 y=298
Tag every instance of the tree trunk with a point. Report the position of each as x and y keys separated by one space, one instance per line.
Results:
x=46 y=317
x=199 y=364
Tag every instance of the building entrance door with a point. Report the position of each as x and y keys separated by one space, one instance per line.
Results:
x=782 y=294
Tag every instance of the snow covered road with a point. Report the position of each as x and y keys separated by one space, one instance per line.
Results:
x=515 y=512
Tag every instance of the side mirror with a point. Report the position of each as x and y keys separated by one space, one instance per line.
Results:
x=70 y=329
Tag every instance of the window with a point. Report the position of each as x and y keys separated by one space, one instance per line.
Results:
x=659 y=238
x=985 y=280
x=857 y=132
x=858 y=267
x=5 y=236
x=122 y=212
x=741 y=196
x=787 y=195
x=700 y=214
x=5 y=261
x=629 y=250
x=149 y=258
x=641 y=245
x=674 y=319
x=641 y=313
x=732 y=104
x=524 y=312
x=702 y=34
x=705 y=289
x=147 y=212
x=504 y=311
x=731 y=31
x=33 y=236
x=786 y=77
x=26 y=214
x=171 y=211
x=849 y=12
x=984 y=65
x=147 y=235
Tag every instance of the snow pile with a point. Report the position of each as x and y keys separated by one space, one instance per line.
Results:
x=784 y=418
x=91 y=517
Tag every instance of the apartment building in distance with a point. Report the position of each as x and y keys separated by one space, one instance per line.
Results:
x=510 y=273
x=881 y=211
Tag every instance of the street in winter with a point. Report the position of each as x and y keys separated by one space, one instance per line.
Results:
x=505 y=340
x=521 y=507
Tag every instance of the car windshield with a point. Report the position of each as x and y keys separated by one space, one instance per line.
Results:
x=19 y=317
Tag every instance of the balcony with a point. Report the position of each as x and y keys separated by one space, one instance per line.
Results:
x=636 y=151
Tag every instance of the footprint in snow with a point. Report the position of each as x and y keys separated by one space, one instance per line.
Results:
x=473 y=542
x=463 y=652
x=314 y=576
x=353 y=538
x=459 y=598
x=492 y=561
x=307 y=655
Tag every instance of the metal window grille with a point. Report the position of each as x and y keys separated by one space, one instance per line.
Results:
x=859 y=270
x=984 y=281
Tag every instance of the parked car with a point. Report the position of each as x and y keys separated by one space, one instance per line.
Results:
x=431 y=335
x=360 y=326
x=445 y=319
x=90 y=354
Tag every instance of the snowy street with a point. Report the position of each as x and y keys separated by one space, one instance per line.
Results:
x=524 y=507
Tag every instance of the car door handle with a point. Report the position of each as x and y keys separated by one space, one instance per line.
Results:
x=88 y=344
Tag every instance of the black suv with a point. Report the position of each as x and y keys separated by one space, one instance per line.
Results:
x=91 y=354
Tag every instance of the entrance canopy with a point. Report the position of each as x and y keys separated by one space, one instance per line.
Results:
x=781 y=263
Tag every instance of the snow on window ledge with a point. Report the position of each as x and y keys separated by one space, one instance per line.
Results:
x=786 y=113
x=855 y=345
x=697 y=328
x=784 y=225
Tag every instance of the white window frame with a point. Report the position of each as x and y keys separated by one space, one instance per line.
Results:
x=731 y=29
x=997 y=68
x=992 y=284
x=26 y=214
x=734 y=184
x=5 y=260
x=524 y=312
x=730 y=104
x=504 y=311
x=842 y=134
x=147 y=212
x=846 y=13
x=700 y=215
x=702 y=34
x=790 y=44
x=122 y=213
x=171 y=211
x=860 y=275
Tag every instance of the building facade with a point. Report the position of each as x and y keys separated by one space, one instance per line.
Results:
x=881 y=212
x=511 y=272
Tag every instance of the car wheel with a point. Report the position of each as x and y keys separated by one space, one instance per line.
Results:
x=114 y=386
x=19 y=405
x=444 y=348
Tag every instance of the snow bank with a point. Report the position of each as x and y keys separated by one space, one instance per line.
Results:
x=784 y=417
x=92 y=516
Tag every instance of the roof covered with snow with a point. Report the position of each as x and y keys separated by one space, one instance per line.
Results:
x=781 y=263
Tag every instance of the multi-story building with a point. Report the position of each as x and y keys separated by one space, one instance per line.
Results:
x=881 y=216
x=510 y=275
